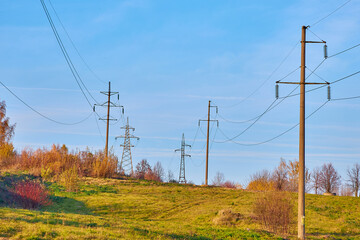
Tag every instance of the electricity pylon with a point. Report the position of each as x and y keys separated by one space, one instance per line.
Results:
x=207 y=139
x=182 y=178
x=302 y=83
x=108 y=104
x=126 y=159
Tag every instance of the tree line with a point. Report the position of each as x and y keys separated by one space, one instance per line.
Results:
x=321 y=180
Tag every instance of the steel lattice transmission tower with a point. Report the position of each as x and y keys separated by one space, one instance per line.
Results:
x=126 y=159
x=182 y=178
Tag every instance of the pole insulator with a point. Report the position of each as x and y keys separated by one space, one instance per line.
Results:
x=277 y=91
x=329 y=93
x=325 y=52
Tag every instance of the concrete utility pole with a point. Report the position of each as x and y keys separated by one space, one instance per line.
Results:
x=126 y=159
x=108 y=104
x=301 y=189
x=207 y=139
x=182 y=178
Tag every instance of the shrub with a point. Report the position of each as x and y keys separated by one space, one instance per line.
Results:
x=275 y=211
x=104 y=166
x=229 y=184
x=152 y=176
x=261 y=181
x=31 y=194
x=7 y=154
x=47 y=174
x=70 y=180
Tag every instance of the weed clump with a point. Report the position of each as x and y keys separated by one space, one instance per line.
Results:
x=226 y=217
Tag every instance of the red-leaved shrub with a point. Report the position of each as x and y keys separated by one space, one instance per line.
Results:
x=31 y=194
x=229 y=184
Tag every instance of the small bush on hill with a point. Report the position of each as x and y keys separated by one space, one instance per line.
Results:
x=274 y=210
x=261 y=181
x=229 y=184
x=31 y=194
x=70 y=179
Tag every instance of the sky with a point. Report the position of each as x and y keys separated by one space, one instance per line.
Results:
x=167 y=59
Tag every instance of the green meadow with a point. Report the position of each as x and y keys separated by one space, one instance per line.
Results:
x=135 y=209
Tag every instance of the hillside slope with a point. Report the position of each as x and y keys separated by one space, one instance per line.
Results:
x=133 y=209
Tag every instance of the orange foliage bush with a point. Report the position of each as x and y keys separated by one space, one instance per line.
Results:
x=58 y=160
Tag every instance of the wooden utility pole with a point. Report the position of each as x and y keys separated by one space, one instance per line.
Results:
x=207 y=140
x=301 y=194
x=301 y=189
x=207 y=145
x=108 y=104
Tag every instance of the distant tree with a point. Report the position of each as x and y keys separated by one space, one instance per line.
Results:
x=293 y=176
x=170 y=176
x=6 y=129
x=293 y=171
x=354 y=179
x=6 y=133
x=142 y=168
x=261 y=181
x=228 y=184
x=329 y=178
x=315 y=179
x=219 y=179
x=345 y=190
x=158 y=171
x=280 y=176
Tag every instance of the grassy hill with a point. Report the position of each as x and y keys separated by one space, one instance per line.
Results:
x=133 y=209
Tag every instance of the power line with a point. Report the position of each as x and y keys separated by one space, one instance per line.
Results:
x=267 y=79
x=348 y=49
x=97 y=124
x=39 y=113
x=323 y=18
x=315 y=34
x=277 y=136
x=335 y=81
x=269 y=108
x=72 y=43
x=312 y=72
x=346 y=98
x=254 y=118
x=66 y=55
x=343 y=78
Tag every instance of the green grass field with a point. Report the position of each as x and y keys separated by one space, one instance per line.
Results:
x=132 y=209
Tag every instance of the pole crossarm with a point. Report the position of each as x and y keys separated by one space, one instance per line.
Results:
x=314 y=42
x=306 y=83
x=130 y=136
x=209 y=121
x=110 y=119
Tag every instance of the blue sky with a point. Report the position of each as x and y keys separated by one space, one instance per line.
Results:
x=167 y=59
